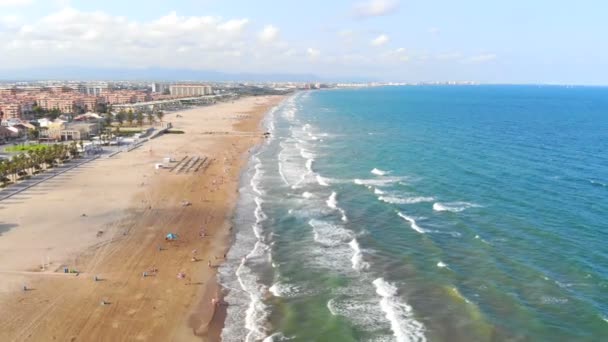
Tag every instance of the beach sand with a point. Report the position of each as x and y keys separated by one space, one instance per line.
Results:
x=109 y=219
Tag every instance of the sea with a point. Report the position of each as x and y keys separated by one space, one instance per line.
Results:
x=425 y=213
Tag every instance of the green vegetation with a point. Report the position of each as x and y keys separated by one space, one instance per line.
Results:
x=34 y=160
x=25 y=148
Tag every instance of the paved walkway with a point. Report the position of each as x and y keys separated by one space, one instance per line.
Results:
x=13 y=189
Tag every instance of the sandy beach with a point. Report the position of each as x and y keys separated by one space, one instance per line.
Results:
x=108 y=219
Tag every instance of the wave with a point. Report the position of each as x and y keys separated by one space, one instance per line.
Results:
x=309 y=165
x=378 y=192
x=357 y=260
x=377 y=182
x=322 y=180
x=379 y=172
x=598 y=183
x=412 y=223
x=407 y=200
x=308 y=195
x=284 y=290
x=454 y=207
x=441 y=264
x=332 y=203
x=279 y=336
x=257 y=312
x=398 y=313
x=255 y=179
x=328 y=234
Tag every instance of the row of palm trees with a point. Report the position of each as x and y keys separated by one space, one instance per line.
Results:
x=130 y=117
x=31 y=162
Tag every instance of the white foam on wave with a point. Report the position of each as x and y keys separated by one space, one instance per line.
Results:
x=406 y=200
x=328 y=234
x=378 y=192
x=598 y=183
x=322 y=180
x=284 y=290
x=441 y=264
x=260 y=216
x=379 y=172
x=276 y=337
x=405 y=328
x=304 y=152
x=357 y=260
x=257 y=313
x=412 y=223
x=309 y=165
x=454 y=207
x=283 y=177
x=308 y=195
x=360 y=309
x=377 y=182
x=332 y=203
x=255 y=179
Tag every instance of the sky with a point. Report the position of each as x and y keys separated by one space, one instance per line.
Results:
x=516 y=41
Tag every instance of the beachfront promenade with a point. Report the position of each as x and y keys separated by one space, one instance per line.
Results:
x=22 y=186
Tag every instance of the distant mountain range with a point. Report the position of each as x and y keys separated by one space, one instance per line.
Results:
x=155 y=74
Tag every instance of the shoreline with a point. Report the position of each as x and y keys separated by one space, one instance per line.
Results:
x=134 y=208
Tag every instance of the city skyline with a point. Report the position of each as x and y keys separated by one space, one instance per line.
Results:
x=379 y=40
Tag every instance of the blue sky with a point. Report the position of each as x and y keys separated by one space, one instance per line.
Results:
x=513 y=41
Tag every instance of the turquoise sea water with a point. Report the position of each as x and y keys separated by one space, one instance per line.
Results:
x=474 y=213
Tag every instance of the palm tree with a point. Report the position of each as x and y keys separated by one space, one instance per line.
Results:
x=140 y=118
x=160 y=115
x=130 y=117
x=150 y=118
x=120 y=117
x=73 y=149
x=4 y=172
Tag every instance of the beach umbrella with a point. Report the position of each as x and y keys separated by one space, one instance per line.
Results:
x=171 y=236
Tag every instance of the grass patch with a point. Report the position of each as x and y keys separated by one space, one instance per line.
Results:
x=25 y=148
x=125 y=133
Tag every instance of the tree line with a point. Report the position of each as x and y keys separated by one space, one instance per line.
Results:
x=34 y=161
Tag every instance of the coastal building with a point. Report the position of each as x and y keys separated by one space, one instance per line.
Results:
x=185 y=90
x=10 y=110
x=95 y=89
x=63 y=104
x=8 y=133
x=78 y=131
x=8 y=91
x=158 y=87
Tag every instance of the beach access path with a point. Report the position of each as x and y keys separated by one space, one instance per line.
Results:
x=107 y=219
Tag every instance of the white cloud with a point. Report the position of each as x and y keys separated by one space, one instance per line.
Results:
x=380 y=40
x=313 y=53
x=269 y=34
x=70 y=36
x=482 y=58
x=14 y=3
x=375 y=8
